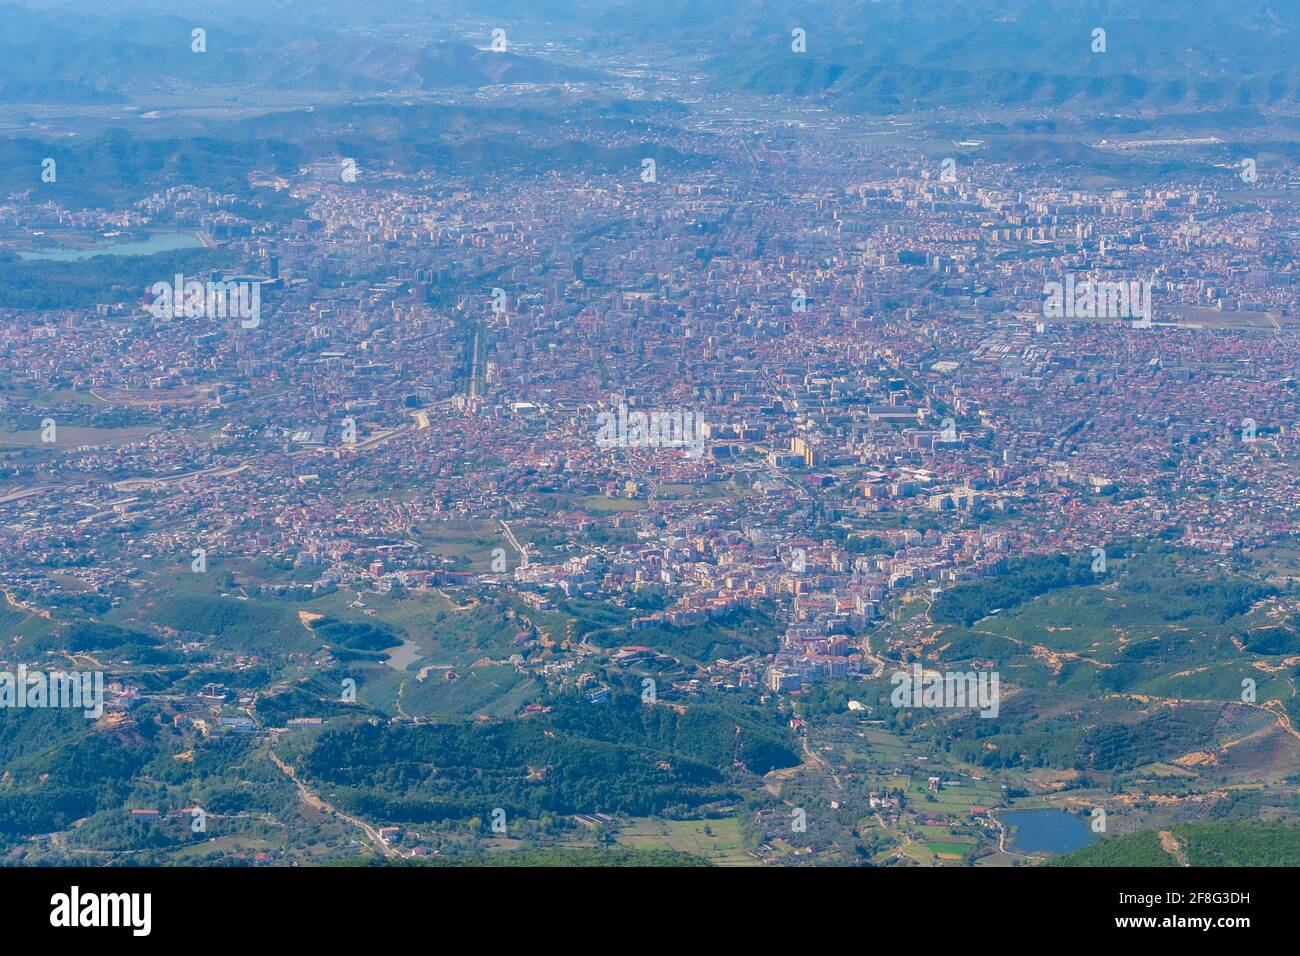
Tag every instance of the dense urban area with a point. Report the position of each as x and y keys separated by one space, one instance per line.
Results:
x=596 y=464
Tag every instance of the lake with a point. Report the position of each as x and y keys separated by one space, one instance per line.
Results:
x=1046 y=831
x=403 y=656
x=156 y=242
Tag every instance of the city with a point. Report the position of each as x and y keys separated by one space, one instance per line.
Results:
x=600 y=461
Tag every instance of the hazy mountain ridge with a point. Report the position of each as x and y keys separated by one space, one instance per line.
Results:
x=122 y=165
x=50 y=58
x=861 y=56
x=919 y=57
x=893 y=56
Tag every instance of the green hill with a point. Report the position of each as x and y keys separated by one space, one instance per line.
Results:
x=1200 y=844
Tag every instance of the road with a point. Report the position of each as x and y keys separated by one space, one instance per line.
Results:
x=819 y=760
x=514 y=543
x=312 y=799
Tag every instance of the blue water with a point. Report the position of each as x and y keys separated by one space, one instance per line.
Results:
x=1046 y=831
x=156 y=242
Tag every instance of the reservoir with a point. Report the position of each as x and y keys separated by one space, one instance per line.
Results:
x=1046 y=831
x=405 y=655
x=155 y=242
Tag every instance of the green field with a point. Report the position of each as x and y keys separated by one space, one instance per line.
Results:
x=718 y=841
